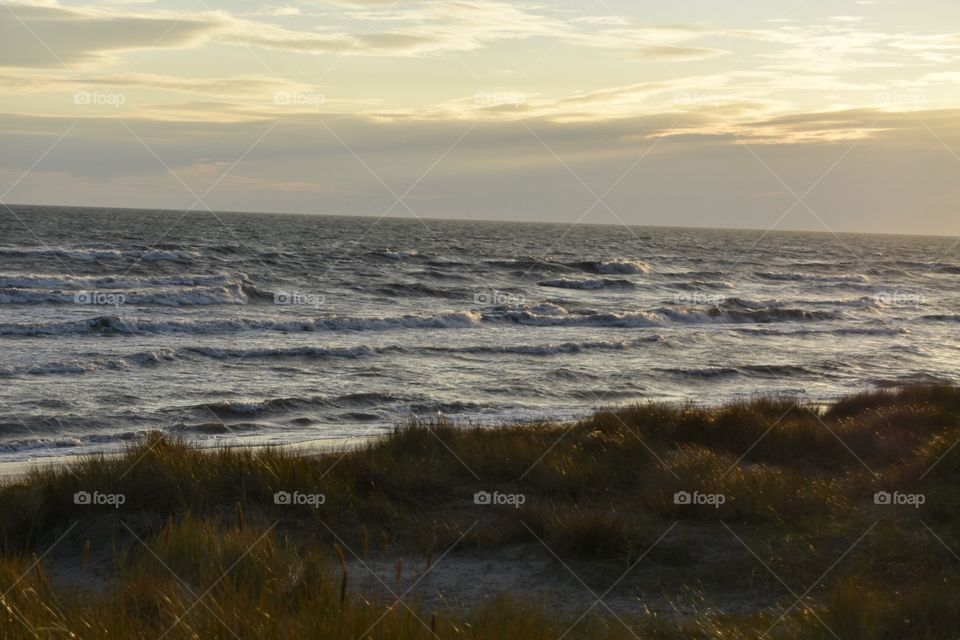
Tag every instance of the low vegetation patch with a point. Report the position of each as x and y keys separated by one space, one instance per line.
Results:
x=652 y=521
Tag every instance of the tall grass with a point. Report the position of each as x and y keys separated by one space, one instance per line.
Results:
x=200 y=547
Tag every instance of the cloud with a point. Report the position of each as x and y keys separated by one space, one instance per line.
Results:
x=504 y=171
x=47 y=36
x=260 y=87
x=51 y=34
x=375 y=44
x=675 y=54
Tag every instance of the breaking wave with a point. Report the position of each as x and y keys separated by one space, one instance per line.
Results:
x=546 y=315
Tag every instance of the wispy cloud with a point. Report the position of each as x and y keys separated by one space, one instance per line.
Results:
x=50 y=35
x=400 y=78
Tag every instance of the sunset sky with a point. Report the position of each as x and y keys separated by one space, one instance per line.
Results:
x=839 y=115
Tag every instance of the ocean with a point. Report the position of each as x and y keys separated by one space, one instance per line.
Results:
x=269 y=329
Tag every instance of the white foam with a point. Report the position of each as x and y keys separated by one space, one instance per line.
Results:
x=92 y=253
x=119 y=281
x=230 y=294
x=621 y=266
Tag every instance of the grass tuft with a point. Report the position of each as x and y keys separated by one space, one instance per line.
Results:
x=201 y=548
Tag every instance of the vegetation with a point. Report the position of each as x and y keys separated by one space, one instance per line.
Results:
x=767 y=517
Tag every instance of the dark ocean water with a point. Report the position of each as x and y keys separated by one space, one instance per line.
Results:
x=276 y=328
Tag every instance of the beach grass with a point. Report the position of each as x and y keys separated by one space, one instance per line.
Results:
x=767 y=517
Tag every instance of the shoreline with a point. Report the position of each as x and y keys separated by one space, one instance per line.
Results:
x=11 y=470
x=683 y=517
x=14 y=470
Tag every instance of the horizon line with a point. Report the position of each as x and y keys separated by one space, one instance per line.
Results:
x=361 y=216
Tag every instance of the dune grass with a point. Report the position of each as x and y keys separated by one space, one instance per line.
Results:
x=758 y=498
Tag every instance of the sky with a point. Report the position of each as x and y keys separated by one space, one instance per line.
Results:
x=839 y=115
